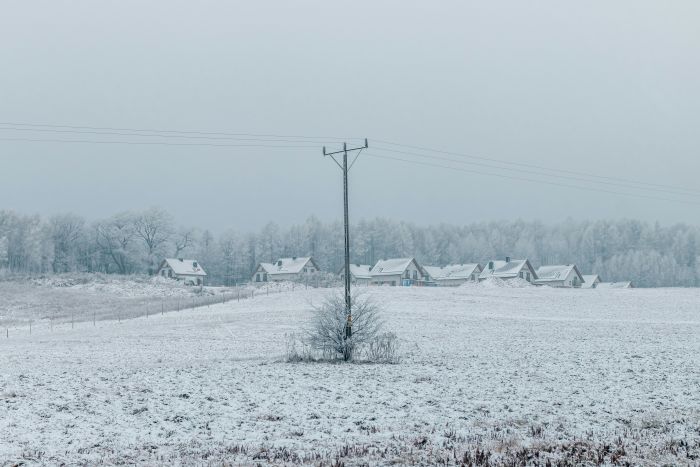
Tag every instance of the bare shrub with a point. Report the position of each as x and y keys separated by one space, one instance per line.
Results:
x=325 y=338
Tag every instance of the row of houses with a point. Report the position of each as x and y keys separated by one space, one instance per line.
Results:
x=405 y=272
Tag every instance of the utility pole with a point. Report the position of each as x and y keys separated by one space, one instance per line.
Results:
x=346 y=220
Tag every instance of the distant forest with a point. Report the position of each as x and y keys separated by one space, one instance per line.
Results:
x=135 y=242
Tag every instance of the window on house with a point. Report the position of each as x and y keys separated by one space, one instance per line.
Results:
x=528 y=277
x=522 y=275
x=306 y=270
x=415 y=275
x=257 y=278
x=408 y=274
x=265 y=277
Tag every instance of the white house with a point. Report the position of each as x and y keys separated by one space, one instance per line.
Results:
x=509 y=269
x=615 y=285
x=591 y=281
x=187 y=270
x=285 y=269
x=359 y=274
x=454 y=274
x=398 y=271
x=559 y=276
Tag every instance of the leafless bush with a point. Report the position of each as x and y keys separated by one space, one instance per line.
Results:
x=328 y=329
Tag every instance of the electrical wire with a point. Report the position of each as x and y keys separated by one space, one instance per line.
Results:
x=540 y=173
x=533 y=166
x=161 y=143
x=510 y=177
x=155 y=135
x=184 y=132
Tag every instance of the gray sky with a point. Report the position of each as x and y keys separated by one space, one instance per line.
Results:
x=601 y=87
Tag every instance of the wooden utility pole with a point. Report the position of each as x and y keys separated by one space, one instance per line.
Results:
x=346 y=221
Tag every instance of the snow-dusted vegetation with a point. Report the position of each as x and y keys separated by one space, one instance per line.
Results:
x=487 y=374
x=45 y=300
x=649 y=255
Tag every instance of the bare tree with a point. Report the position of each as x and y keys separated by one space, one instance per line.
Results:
x=155 y=228
x=327 y=331
x=183 y=240
x=65 y=231
x=114 y=237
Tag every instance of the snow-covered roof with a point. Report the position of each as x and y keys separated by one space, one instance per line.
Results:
x=359 y=271
x=452 y=271
x=615 y=285
x=590 y=280
x=185 y=267
x=555 y=273
x=391 y=267
x=507 y=270
x=287 y=265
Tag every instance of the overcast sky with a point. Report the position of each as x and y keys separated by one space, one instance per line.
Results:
x=600 y=87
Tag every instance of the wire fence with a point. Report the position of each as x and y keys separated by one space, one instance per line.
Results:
x=62 y=317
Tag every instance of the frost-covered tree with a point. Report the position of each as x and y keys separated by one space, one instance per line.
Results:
x=154 y=227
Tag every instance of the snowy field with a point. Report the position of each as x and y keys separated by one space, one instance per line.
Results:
x=88 y=297
x=488 y=375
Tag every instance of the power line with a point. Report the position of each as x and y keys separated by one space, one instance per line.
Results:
x=520 y=164
x=510 y=177
x=156 y=135
x=539 y=173
x=161 y=143
x=193 y=132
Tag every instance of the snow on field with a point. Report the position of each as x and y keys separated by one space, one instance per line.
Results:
x=84 y=297
x=498 y=373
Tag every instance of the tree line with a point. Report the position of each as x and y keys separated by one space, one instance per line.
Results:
x=135 y=242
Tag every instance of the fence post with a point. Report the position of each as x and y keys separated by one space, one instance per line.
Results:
x=93 y=317
x=30 y=327
x=71 y=320
x=7 y=332
x=162 y=307
x=239 y=295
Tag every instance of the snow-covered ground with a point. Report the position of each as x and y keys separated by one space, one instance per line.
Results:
x=487 y=372
x=86 y=297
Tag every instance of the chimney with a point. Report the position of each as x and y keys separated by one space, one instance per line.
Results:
x=507 y=259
